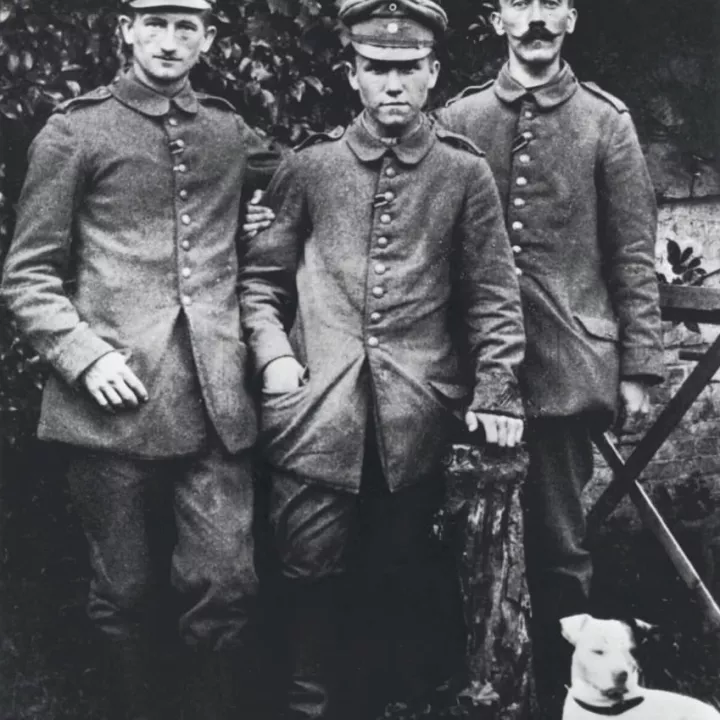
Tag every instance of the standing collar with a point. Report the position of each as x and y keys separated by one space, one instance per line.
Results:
x=553 y=93
x=410 y=150
x=138 y=96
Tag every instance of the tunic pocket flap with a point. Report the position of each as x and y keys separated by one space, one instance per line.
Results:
x=603 y=328
x=452 y=391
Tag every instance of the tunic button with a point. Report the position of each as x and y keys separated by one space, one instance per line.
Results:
x=186 y=272
x=528 y=135
x=185 y=244
x=528 y=114
x=378 y=292
x=172 y=121
x=516 y=249
x=521 y=181
x=519 y=202
x=383 y=241
x=380 y=269
x=186 y=300
x=184 y=194
x=525 y=159
x=518 y=271
x=181 y=168
x=375 y=317
x=390 y=172
x=185 y=219
x=517 y=225
x=373 y=342
x=389 y=196
x=385 y=218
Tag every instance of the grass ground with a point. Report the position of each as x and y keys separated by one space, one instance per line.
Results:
x=47 y=669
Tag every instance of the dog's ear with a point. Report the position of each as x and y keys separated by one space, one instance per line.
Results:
x=572 y=625
x=643 y=631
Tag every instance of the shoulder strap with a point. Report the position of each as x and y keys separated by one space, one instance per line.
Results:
x=458 y=141
x=215 y=101
x=470 y=90
x=320 y=137
x=98 y=95
x=618 y=104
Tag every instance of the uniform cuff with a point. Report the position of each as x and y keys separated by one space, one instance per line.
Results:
x=77 y=352
x=497 y=392
x=643 y=362
x=270 y=347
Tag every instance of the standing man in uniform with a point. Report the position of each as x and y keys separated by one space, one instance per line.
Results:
x=580 y=211
x=122 y=274
x=388 y=237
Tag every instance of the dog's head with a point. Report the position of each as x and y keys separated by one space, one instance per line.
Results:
x=603 y=661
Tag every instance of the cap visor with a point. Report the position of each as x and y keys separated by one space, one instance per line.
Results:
x=399 y=54
x=176 y=4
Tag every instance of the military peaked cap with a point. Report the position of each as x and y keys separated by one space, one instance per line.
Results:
x=393 y=29
x=179 y=4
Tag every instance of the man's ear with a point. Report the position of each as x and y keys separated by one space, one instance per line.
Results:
x=497 y=23
x=210 y=34
x=571 y=21
x=126 y=28
x=572 y=625
x=351 y=69
x=434 y=73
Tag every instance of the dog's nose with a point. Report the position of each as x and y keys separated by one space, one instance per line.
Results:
x=621 y=677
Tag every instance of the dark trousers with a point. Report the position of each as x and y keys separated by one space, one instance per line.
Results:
x=172 y=554
x=559 y=567
x=358 y=590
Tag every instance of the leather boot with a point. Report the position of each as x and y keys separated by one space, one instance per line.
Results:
x=312 y=632
x=128 y=680
x=223 y=685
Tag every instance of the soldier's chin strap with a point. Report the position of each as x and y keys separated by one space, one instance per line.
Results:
x=616 y=709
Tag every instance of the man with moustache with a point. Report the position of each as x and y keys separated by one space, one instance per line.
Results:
x=122 y=274
x=388 y=254
x=580 y=211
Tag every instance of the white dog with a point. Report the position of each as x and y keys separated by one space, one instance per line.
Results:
x=605 y=677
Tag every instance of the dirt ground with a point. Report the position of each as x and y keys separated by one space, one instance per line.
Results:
x=47 y=669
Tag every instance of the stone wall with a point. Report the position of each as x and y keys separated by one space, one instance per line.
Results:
x=684 y=477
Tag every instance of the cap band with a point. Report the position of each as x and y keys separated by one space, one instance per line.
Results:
x=181 y=4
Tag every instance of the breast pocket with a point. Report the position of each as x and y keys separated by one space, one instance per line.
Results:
x=599 y=328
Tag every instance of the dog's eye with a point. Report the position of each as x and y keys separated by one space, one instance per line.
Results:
x=598 y=652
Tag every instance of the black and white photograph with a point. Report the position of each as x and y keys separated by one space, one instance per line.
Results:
x=359 y=359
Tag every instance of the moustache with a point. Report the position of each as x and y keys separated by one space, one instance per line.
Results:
x=538 y=33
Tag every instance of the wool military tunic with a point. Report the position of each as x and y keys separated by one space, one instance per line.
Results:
x=377 y=255
x=581 y=215
x=135 y=199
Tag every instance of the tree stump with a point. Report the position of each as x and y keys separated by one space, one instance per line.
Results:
x=483 y=518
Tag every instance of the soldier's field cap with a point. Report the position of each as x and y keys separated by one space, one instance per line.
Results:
x=393 y=29
x=179 y=4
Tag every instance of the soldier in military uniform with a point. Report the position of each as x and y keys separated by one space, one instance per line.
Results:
x=580 y=212
x=384 y=234
x=134 y=192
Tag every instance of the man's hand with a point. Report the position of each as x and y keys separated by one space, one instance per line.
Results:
x=257 y=217
x=634 y=402
x=282 y=375
x=112 y=384
x=499 y=430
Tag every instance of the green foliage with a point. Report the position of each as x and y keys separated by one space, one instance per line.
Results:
x=280 y=63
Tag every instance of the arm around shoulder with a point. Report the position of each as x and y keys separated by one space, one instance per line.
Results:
x=267 y=275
